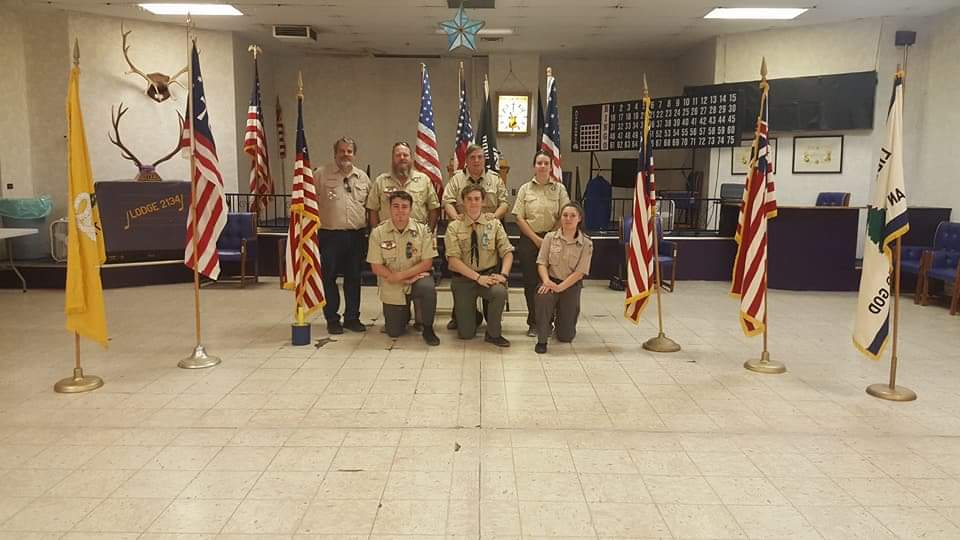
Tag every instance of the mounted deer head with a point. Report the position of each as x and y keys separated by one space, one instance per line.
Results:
x=146 y=173
x=158 y=84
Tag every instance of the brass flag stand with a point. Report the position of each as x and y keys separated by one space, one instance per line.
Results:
x=891 y=391
x=661 y=343
x=78 y=382
x=199 y=359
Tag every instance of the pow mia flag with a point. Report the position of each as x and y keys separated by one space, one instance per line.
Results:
x=487 y=132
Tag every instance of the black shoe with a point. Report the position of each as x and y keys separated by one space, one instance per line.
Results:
x=417 y=327
x=531 y=331
x=499 y=341
x=540 y=348
x=334 y=327
x=430 y=338
x=452 y=325
x=354 y=326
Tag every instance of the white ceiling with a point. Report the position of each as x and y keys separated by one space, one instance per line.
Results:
x=555 y=27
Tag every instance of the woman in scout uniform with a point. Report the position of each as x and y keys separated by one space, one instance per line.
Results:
x=401 y=253
x=537 y=209
x=480 y=254
x=562 y=263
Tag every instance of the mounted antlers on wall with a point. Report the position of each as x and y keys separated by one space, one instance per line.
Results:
x=146 y=173
x=158 y=84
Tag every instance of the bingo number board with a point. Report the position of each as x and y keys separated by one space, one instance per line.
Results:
x=706 y=121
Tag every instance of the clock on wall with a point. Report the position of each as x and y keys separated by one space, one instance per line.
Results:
x=513 y=113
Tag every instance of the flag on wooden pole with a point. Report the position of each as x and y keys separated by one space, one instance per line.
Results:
x=255 y=144
x=886 y=221
x=84 y=307
x=302 y=269
x=759 y=205
x=641 y=278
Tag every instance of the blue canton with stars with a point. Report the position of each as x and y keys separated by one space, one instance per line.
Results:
x=461 y=31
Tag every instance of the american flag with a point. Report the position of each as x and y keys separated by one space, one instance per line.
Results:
x=255 y=144
x=640 y=260
x=759 y=205
x=302 y=269
x=207 y=215
x=427 y=159
x=464 y=128
x=550 y=142
x=281 y=133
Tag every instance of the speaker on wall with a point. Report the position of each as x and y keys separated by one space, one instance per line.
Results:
x=905 y=37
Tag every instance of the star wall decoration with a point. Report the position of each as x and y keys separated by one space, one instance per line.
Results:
x=461 y=31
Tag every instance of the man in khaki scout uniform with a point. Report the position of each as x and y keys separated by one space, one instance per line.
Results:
x=537 y=209
x=426 y=206
x=495 y=194
x=341 y=193
x=401 y=253
x=495 y=198
x=475 y=245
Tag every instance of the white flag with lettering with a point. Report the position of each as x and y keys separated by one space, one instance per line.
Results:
x=886 y=221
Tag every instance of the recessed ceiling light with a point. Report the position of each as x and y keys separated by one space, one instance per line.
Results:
x=755 y=13
x=191 y=9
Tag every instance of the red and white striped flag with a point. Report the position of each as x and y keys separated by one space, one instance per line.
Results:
x=208 y=211
x=255 y=144
x=302 y=269
x=426 y=158
x=640 y=272
x=281 y=133
x=550 y=141
x=759 y=205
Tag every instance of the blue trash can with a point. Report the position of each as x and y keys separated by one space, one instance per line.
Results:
x=29 y=213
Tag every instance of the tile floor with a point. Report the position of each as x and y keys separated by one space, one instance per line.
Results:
x=370 y=438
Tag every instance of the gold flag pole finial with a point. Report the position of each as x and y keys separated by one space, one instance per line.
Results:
x=549 y=71
x=76 y=53
x=255 y=49
x=763 y=68
x=646 y=91
x=300 y=84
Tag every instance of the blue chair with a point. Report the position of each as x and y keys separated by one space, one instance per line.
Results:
x=833 y=198
x=911 y=258
x=666 y=252
x=943 y=263
x=238 y=243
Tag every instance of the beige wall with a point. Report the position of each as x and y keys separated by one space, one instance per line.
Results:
x=14 y=116
x=938 y=162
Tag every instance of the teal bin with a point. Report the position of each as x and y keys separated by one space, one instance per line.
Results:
x=29 y=213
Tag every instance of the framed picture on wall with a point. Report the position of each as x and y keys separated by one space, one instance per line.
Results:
x=818 y=155
x=740 y=156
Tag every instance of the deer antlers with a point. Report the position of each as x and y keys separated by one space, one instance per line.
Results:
x=146 y=172
x=158 y=84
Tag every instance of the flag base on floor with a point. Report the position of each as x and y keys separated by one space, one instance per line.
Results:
x=199 y=359
x=765 y=365
x=300 y=334
x=78 y=383
x=661 y=343
x=897 y=393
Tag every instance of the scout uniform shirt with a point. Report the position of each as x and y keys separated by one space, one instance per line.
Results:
x=418 y=186
x=398 y=251
x=492 y=242
x=341 y=198
x=495 y=192
x=563 y=257
x=540 y=204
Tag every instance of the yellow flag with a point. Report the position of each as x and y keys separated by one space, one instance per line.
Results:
x=85 y=311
